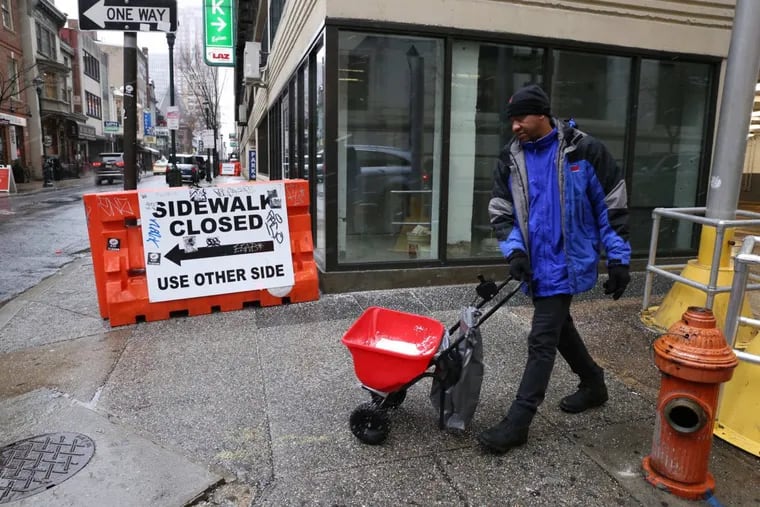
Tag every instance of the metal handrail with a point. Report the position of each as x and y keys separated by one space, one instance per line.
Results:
x=739 y=287
x=694 y=215
x=734 y=318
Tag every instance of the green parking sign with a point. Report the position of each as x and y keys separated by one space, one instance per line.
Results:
x=219 y=28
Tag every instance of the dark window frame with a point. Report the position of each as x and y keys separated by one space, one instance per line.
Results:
x=91 y=66
x=94 y=105
x=45 y=41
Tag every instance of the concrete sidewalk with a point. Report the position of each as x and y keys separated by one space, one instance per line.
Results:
x=252 y=407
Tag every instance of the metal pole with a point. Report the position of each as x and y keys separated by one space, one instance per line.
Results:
x=735 y=109
x=215 y=169
x=738 y=291
x=173 y=176
x=652 y=258
x=130 y=110
x=46 y=176
x=209 y=161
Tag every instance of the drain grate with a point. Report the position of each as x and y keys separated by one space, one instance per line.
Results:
x=36 y=464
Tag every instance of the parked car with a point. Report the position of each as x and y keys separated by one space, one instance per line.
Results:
x=202 y=164
x=110 y=167
x=661 y=176
x=160 y=165
x=187 y=163
x=379 y=178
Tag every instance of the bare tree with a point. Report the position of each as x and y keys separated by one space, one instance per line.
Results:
x=203 y=84
x=13 y=85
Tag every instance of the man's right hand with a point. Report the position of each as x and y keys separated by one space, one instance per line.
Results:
x=519 y=266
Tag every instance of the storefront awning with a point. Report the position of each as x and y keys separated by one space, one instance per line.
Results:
x=87 y=132
x=12 y=119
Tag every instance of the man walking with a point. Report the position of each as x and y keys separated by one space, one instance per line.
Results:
x=558 y=197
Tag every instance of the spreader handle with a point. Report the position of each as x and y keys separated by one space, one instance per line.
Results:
x=483 y=301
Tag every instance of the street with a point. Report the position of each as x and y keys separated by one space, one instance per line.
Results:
x=43 y=231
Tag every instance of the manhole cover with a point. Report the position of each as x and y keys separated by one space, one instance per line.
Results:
x=36 y=464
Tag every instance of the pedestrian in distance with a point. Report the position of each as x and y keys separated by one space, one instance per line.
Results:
x=558 y=197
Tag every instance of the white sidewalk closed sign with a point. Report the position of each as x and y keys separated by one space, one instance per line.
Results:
x=215 y=240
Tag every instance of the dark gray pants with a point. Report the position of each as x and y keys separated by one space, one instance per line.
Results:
x=552 y=330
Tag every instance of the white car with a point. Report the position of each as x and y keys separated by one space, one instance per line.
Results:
x=160 y=165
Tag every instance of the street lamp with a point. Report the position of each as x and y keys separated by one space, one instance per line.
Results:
x=173 y=174
x=209 y=163
x=46 y=169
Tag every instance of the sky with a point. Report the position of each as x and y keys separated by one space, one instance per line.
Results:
x=156 y=41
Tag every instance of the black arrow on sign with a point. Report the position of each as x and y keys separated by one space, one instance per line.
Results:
x=176 y=255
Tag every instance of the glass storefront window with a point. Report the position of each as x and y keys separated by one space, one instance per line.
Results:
x=484 y=76
x=593 y=90
x=319 y=142
x=389 y=147
x=670 y=136
x=305 y=122
x=285 y=138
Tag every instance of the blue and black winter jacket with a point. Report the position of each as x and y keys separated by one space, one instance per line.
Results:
x=568 y=198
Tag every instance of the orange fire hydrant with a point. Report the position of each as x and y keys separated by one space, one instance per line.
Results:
x=694 y=359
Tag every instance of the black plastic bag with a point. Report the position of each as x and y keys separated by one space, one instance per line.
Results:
x=459 y=373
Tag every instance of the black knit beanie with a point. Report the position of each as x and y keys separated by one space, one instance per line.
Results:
x=530 y=99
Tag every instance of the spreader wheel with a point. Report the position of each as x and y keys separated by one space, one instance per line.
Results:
x=370 y=424
x=394 y=400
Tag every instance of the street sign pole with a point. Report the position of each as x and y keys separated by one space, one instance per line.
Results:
x=130 y=17
x=173 y=175
x=130 y=110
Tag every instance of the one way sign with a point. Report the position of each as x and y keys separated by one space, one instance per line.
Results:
x=128 y=15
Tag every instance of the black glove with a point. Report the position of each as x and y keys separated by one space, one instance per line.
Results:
x=617 y=281
x=486 y=289
x=519 y=266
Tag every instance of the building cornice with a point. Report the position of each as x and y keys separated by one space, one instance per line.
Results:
x=48 y=9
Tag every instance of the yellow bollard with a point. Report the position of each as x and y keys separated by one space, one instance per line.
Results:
x=739 y=406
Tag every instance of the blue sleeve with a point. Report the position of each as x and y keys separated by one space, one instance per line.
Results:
x=513 y=242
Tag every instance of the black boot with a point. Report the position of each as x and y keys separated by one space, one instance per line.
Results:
x=503 y=437
x=590 y=394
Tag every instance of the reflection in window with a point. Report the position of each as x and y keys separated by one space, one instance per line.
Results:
x=307 y=167
x=389 y=117
x=319 y=142
x=285 y=139
x=483 y=78
x=356 y=77
x=670 y=135
x=262 y=143
x=593 y=89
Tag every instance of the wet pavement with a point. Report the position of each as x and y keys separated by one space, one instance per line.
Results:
x=251 y=407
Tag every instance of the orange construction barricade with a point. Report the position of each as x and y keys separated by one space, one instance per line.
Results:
x=116 y=237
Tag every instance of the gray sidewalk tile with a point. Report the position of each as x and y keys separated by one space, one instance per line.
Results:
x=35 y=324
x=78 y=367
x=198 y=387
x=417 y=481
x=126 y=470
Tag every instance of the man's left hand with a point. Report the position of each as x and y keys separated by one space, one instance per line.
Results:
x=617 y=281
